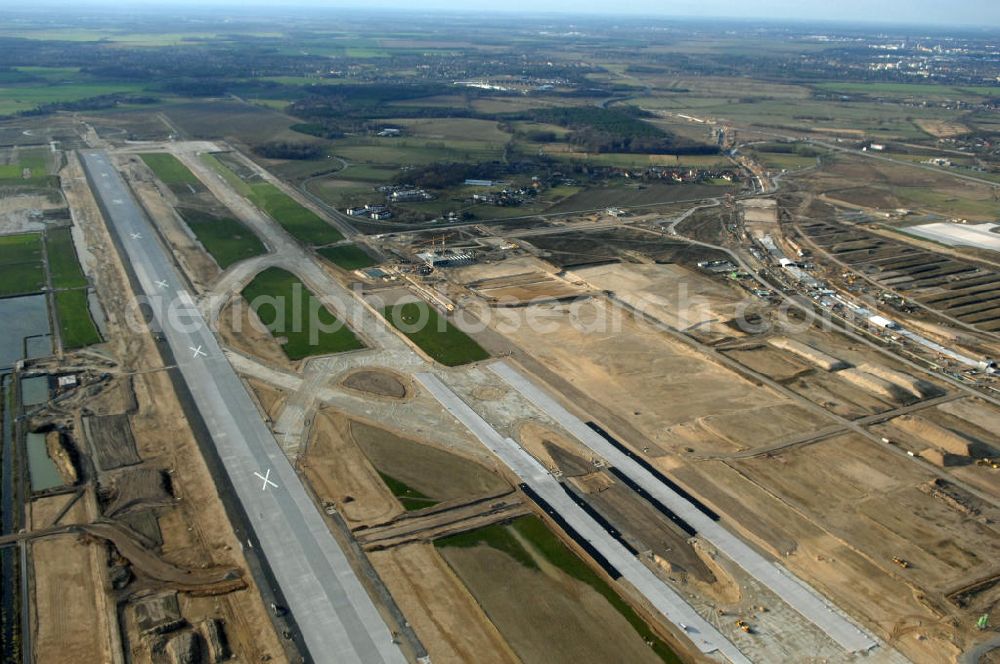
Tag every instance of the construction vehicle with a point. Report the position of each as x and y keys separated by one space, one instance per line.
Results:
x=745 y=626
x=905 y=564
x=990 y=463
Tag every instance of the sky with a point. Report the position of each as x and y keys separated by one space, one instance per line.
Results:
x=981 y=13
x=967 y=12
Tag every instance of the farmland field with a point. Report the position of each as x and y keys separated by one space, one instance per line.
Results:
x=296 y=317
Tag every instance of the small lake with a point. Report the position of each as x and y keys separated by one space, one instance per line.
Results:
x=41 y=468
x=21 y=318
x=34 y=390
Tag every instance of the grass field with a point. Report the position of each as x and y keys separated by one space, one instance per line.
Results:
x=76 y=327
x=14 y=99
x=227 y=240
x=169 y=169
x=408 y=497
x=347 y=256
x=296 y=317
x=21 y=267
x=303 y=224
x=435 y=335
x=507 y=538
x=64 y=266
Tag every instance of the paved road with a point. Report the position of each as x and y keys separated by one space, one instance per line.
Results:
x=796 y=594
x=337 y=618
x=702 y=633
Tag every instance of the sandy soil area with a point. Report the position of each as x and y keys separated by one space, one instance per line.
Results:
x=70 y=613
x=673 y=395
x=449 y=622
x=673 y=294
x=564 y=622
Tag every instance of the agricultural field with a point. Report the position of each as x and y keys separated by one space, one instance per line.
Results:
x=435 y=335
x=296 y=317
x=227 y=240
x=347 y=256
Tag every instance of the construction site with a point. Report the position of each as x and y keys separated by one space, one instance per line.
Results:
x=608 y=441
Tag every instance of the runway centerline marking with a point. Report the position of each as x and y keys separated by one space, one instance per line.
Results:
x=267 y=480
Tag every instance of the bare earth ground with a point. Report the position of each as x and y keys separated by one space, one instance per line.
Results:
x=676 y=397
x=340 y=473
x=70 y=601
x=450 y=623
x=674 y=294
x=242 y=331
x=563 y=622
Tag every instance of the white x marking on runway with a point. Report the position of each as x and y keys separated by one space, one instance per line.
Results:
x=198 y=351
x=267 y=480
x=136 y=236
x=161 y=283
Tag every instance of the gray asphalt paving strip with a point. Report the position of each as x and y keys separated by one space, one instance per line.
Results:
x=705 y=636
x=809 y=603
x=338 y=620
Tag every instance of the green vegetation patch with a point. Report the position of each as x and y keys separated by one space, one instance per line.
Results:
x=21 y=267
x=435 y=335
x=304 y=224
x=546 y=544
x=347 y=256
x=408 y=497
x=64 y=266
x=227 y=240
x=291 y=311
x=76 y=327
x=169 y=169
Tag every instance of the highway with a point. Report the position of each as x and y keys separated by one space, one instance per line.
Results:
x=337 y=619
x=703 y=634
x=795 y=593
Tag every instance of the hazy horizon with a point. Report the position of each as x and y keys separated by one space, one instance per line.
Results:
x=966 y=13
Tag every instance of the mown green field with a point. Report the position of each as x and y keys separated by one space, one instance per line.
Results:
x=508 y=538
x=227 y=240
x=303 y=224
x=76 y=327
x=291 y=311
x=169 y=169
x=21 y=267
x=437 y=337
x=64 y=266
x=347 y=256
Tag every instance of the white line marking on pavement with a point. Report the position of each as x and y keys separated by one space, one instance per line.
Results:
x=136 y=236
x=267 y=480
x=161 y=283
x=197 y=351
